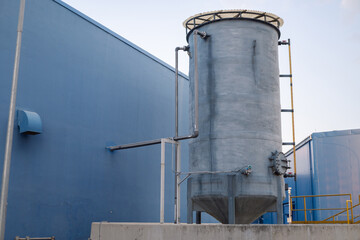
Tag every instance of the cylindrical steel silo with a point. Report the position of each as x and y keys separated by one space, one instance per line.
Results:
x=239 y=114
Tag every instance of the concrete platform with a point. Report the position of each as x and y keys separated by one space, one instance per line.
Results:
x=156 y=231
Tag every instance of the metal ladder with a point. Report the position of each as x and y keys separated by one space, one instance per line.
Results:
x=280 y=43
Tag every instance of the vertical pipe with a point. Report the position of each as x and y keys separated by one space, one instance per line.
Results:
x=178 y=182
x=177 y=91
x=10 y=128
x=176 y=133
x=290 y=206
x=292 y=108
x=196 y=83
x=162 y=181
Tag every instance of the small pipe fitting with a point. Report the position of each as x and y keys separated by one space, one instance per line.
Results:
x=289 y=175
x=246 y=170
x=202 y=34
x=184 y=48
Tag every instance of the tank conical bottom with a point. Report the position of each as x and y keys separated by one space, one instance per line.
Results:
x=247 y=208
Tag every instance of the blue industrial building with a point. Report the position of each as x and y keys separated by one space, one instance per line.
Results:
x=328 y=163
x=91 y=88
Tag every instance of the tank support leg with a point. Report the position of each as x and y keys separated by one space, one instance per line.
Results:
x=231 y=200
x=198 y=217
x=279 y=203
x=190 y=206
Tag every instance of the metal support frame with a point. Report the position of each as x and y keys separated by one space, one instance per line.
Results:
x=190 y=204
x=10 y=128
x=162 y=178
x=279 y=202
x=198 y=217
x=231 y=199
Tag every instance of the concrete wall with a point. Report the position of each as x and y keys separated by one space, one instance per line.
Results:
x=129 y=231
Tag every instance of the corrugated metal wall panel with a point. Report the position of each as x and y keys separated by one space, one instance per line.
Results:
x=337 y=167
x=91 y=90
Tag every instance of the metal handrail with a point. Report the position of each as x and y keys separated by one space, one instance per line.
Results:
x=323 y=195
x=358 y=216
x=351 y=209
x=348 y=209
x=191 y=23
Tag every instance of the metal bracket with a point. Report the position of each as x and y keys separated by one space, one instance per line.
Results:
x=287 y=110
x=284 y=42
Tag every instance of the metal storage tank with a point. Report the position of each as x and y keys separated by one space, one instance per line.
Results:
x=239 y=115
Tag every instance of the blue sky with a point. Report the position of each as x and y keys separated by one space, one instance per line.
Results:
x=325 y=36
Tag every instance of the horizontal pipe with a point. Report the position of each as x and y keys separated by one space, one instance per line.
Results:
x=195 y=134
x=151 y=142
x=134 y=145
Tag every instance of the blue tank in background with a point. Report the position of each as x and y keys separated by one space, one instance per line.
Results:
x=91 y=88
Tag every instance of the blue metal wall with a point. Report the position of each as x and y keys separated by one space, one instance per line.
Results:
x=91 y=88
x=327 y=163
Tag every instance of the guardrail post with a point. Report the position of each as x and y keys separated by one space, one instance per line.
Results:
x=352 y=213
x=305 y=209
x=347 y=211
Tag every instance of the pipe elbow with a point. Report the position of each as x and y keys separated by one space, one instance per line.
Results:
x=195 y=134
x=184 y=48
